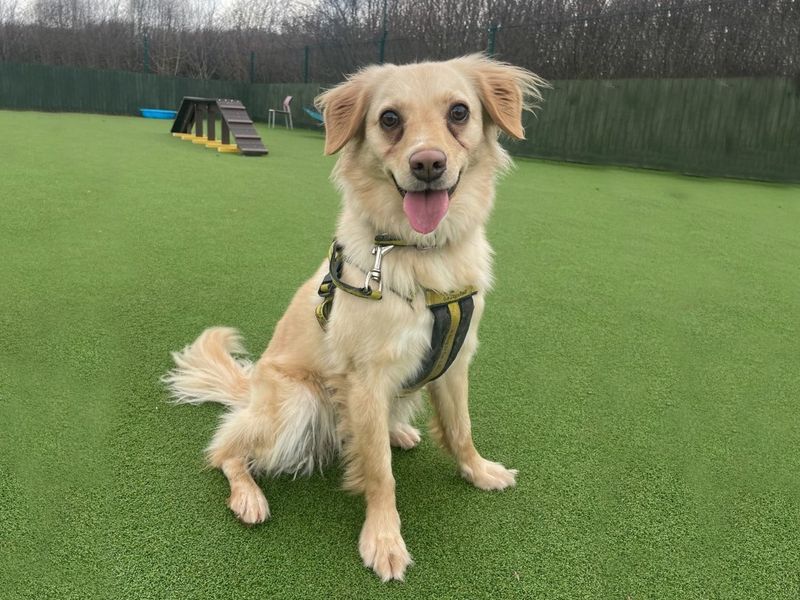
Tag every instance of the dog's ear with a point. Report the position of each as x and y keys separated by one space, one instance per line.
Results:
x=505 y=91
x=343 y=109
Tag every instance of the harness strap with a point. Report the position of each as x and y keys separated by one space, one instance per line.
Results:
x=323 y=310
x=335 y=269
x=452 y=313
x=333 y=280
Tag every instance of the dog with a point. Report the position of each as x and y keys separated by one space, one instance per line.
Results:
x=393 y=310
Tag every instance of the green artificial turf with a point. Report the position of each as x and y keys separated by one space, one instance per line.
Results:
x=639 y=365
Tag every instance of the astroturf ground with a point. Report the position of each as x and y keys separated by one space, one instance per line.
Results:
x=639 y=365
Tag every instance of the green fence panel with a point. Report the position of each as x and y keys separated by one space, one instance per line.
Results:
x=747 y=128
x=40 y=87
x=45 y=88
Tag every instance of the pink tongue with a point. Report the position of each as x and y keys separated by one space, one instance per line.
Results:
x=425 y=210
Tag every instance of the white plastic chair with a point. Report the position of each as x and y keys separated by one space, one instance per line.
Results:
x=286 y=112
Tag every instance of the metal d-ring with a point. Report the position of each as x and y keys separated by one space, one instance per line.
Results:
x=374 y=275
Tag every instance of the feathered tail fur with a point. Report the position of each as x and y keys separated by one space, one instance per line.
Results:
x=207 y=371
x=295 y=436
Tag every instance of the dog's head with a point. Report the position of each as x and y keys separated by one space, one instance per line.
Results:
x=419 y=142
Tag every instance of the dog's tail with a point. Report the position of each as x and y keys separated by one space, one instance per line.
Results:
x=206 y=371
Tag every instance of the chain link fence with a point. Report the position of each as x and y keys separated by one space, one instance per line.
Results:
x=727 y=38
x=713 y=38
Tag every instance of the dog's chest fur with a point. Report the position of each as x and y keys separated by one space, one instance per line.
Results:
x=395 y=331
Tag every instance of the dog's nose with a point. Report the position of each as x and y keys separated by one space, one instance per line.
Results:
x=427 y=165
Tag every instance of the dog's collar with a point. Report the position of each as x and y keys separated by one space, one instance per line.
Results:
x=384 y=243
x=383 y=240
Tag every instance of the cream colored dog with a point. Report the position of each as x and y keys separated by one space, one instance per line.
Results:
x=417 y=171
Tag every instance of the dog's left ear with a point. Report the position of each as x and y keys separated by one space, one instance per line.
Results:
x=343 y=109
x=506 y=91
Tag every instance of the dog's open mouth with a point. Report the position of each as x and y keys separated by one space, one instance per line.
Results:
x=425 y=209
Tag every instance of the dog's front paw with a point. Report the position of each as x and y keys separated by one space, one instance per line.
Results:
x=404 y=436
x=488 y=475
x=384 y=551
x=249 y=504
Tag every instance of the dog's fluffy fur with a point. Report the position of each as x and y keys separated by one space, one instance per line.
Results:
x=315 y=394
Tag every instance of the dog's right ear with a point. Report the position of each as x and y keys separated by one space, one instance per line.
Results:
x=343 y=109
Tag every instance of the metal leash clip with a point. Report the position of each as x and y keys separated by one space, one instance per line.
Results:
x=374 y=275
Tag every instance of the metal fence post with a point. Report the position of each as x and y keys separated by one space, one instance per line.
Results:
x=384 y=35
x=492 y=37
x=146 y=58
x=252 y=67
x=382 y=47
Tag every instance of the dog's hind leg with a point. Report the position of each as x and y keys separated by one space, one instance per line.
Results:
x=287 y=426
x=247 y=501
x=231 y=450
x=206 y=371
x=245 y=436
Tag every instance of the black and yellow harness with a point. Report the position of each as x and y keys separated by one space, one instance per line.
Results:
x=452 y=312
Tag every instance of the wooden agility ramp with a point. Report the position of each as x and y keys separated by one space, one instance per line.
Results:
x=201 y=114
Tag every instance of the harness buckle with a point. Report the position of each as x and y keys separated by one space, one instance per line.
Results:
x=374 y=274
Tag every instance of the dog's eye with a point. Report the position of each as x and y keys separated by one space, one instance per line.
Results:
x=390 y=119
x=459 y=113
